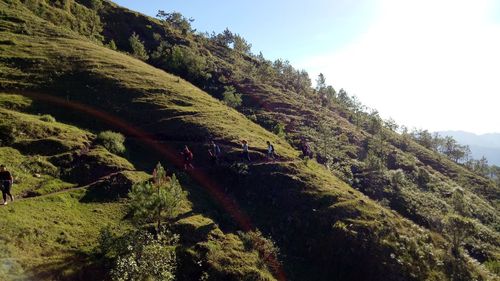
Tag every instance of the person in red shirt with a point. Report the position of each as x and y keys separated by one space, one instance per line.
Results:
x=188 y=158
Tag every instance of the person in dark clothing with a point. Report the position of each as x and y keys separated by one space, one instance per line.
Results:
x=187 y=156
x=306 y=150
x=6 y=180
x=245 y=154
x=214 y=153
x=270 y=151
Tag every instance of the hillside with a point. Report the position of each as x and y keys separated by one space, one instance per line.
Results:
x=52 y=62
x=396 y=169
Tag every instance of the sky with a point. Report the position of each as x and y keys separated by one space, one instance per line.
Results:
x=431 y=64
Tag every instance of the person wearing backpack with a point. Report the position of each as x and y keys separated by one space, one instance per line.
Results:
x=245 y=154
x=187 y=156
x=306 y=150
x=214 y=153
x=6 y=181
x=270 y=151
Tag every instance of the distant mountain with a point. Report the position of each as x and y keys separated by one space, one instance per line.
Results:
x=487 y=145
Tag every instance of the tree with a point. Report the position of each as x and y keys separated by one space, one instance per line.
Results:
x=320 y=83
x=153 y=201
x=458 y=228
x=231 y=97
x=495 y=174
x=346 y=101
x=424 y=138
x=137 y=46
x=96 y=5
x=226 y=38
x=241 y=45
x=177 y=20
x=391 y=125
x=184 y=61
x=481 y=166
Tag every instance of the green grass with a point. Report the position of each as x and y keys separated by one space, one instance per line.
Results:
x=15 y=102
x=40 y=234
x=26 y=127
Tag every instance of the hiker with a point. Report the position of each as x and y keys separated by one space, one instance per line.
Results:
x=245 y=154
x=270 y=151
x=306 y=150
x=214 y=153
x=6 y=180
x=188 y=156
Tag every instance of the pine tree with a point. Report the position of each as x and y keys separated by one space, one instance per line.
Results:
x=137 y=46
x=153 y=201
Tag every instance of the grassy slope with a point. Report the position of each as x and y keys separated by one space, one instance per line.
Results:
x=56 y=232
x=66 y=65
x=267 y=102
x=41 y=236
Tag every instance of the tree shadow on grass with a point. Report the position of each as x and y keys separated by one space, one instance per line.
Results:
x=76 y=266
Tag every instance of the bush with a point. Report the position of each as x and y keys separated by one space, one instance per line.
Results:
x=139 y=255
x=48 y=118
x=423 y=178
x=239 y=169
x=267 y=249
x=374 y=162
x=279 y=130
x=112 y=141
x=7 y=135
x=112 y=45
x=493 y=266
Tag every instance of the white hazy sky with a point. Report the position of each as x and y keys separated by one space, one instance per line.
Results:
x=432 y=64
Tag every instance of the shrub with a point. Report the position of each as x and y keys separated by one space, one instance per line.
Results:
x=139 y=255
x=147 y=258
x=112 y=141
x=239 y=169
x=48 y=118
x=267 y=249
x=112 y=45
x=493 y=266
x=279 y=130
x=374 y=162
x=423 y=178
